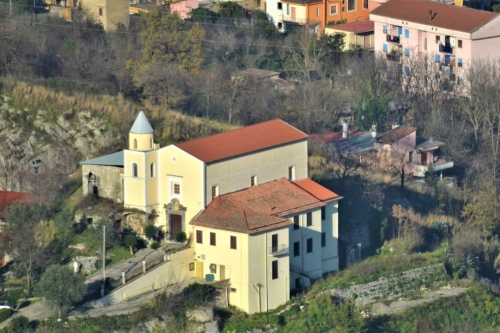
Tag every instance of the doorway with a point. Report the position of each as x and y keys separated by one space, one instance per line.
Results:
x=175 y=225
x=222 y=273
x=199 y=269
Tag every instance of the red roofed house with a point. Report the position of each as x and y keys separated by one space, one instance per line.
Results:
x=244 y=198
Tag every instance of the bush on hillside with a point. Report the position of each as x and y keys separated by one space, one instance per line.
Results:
x=4 y=314
x=155 y=246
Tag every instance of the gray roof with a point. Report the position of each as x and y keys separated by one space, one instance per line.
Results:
x=141 y=125
x=115 y=159
x=357 y=143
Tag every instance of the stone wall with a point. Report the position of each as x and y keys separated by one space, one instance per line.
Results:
x=393 y=286
x=109 y=181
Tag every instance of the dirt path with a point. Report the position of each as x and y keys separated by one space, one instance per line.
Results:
x=399 y=306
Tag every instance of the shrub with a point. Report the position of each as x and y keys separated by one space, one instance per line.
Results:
x=155 y=245
x=4 y=314
x=150 y=231
x=181 y=237
x=196 y=293
x=19 y=324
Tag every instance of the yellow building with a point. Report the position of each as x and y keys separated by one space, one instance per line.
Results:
x=244 y=198
x=359 y=34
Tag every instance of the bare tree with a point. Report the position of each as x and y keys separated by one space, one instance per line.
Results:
x=341 y=164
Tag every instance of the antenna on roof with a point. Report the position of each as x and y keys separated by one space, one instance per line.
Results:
x=430 y=15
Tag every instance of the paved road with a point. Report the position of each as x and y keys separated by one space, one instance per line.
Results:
x=131 y=267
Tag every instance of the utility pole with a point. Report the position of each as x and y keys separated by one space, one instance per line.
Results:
x=103 y=260
x=10 y=7
x=208 y=96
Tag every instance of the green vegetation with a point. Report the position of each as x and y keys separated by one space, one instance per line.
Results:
x=475 y=311
x=4 y=314
x=181 y=237
x=61 y=287
x=155 y=246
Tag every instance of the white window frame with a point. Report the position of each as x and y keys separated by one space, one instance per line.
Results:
x=336 y=9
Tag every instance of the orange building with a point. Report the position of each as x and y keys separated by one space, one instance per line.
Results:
x=320 y=13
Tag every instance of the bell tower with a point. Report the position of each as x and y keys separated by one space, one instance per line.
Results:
x=140 y=136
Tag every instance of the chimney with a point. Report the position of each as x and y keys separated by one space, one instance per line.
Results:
x=345 y=129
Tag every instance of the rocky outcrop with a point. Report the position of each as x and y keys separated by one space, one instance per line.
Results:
x=34 y=140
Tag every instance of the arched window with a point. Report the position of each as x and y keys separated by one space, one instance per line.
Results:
x=152 y=170
x=135 y=143
x=151 y=143
x=134 y=170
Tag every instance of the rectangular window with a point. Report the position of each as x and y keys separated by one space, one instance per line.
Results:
x=410 y=157
x=333 y=9
x=199 y=236
x=287 y=9
x=280 y=6
x=291 y=173
x=438 y=57
x=459 y=43
x=384 y=29
x=317 y=11
x=296 y=249
x=191 y=266
x=407 y=70
x=296 y=223
x=438 y=38
x=425 y=43
x=253 y=180
x=309 y=245
x=384 y=47
x=212 y=239
x=460 y=62
x=177 y=188
x=407 y=52
x=215 y=191
x=275 y=269
x=407 y=33
x=351 y=5
x=274 y=242
x=233 y=242
x=323 y=239
x=323 y=213
x=309 y=219
x=365 y=4
x=100 y=11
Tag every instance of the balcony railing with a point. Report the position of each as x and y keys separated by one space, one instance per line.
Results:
x=394 y=56
x=393 y=39
x=441 y=164
x=278 y=250
x=295 y=19
x=445 y=48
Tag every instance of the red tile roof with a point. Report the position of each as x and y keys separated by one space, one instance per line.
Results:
x=262 y=207
x=242 y=141
x=397 y=133
x=355 y=27
x=320 y=192
x=8 y=197
x=444 y=16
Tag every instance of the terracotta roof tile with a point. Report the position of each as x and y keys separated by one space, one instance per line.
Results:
x=242 y=141
x=444 y=16
x=396 y=134
x=262 y=207
x=8 y=197
x=320 y=192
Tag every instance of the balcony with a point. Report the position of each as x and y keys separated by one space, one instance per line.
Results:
x=293 y=18
x=440 y=164
x=278 y=250
x=394 y=56
x=393 y=39
x=446 y=48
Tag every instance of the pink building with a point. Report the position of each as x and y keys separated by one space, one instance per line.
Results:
x=452 y=36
